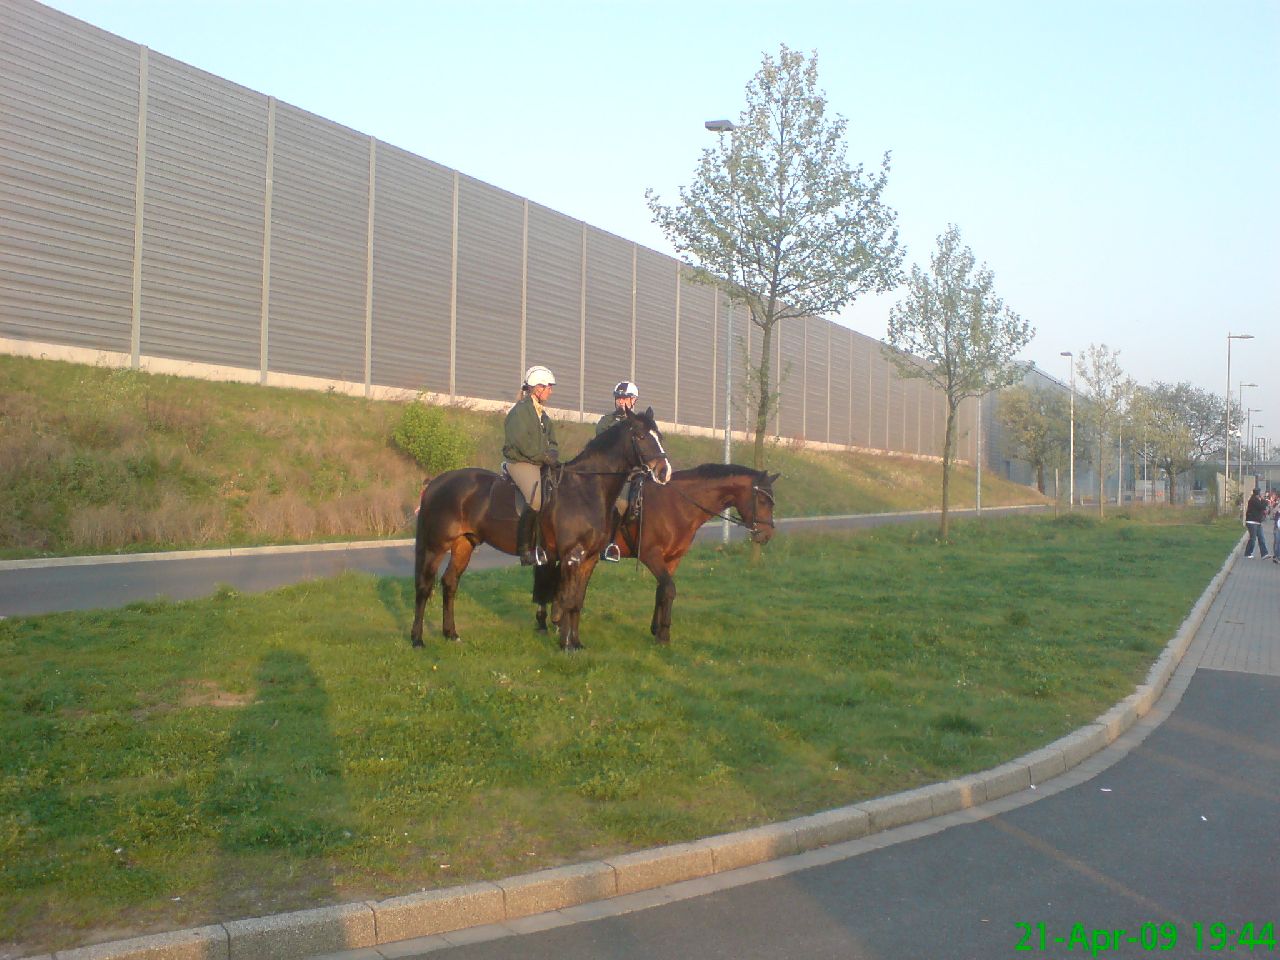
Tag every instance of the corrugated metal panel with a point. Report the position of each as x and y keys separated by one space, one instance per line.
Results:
x=555 y=300
x=878 y=395
x=861 y=349
x=818 y=368
x=490 y=259
x=608 y=343
x=966 y=439
x=790 y=336
x=937 y=422
x=913 y=442
x=656 y=329
x=697 y=307
x=897 y=406
x=840 y=393
x=203 y=220
x=750 y=340
x=68 y=155
x=412 y=271
x=319 y=248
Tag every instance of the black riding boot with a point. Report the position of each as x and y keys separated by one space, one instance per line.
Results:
x=524 y=536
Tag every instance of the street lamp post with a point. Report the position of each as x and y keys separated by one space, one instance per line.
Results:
x=1246 y=441
x=721 y=127
x=1071 y=482
x=1226 y=447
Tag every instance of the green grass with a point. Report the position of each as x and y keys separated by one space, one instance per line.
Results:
x=97 y=460
x=170 y=764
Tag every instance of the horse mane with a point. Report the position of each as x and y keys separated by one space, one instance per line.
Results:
x=602 y=441
x=719 y=471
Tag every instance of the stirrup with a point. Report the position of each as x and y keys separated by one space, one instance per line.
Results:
x=539 y=556
x=611 y=553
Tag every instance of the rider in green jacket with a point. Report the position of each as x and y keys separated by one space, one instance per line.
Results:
x=530 y=436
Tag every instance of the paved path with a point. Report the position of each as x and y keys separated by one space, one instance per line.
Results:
x=30 y=587
x=1172 y=829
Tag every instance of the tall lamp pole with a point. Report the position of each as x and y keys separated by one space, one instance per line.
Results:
x=1226 y=447
x=1071 y=483
x=722 y=127
x=1244 y=446
x=1240 y=446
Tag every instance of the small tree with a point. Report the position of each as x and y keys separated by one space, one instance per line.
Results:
x=776 y=210
x=953 y=331
x=1179 y=426
x=1037 y=425
x=1108 y=390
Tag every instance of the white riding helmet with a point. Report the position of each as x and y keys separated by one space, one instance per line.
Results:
x=626 y=389
x=538 y=375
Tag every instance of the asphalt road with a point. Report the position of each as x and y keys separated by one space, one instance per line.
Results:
x=28 y=588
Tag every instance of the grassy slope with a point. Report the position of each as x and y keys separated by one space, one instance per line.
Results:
x=98 y=460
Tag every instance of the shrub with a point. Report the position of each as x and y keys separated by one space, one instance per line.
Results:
x=426 y=435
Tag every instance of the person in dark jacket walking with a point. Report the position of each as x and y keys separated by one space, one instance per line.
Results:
x=530 y=444
x=1254 y=512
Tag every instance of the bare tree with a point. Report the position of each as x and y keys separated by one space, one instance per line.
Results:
x=777 y=211
x=953 y=331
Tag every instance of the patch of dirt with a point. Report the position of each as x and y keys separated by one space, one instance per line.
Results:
x=206 y=693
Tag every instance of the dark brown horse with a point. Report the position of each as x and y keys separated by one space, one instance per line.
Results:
x=671 y=515
x=461 y=509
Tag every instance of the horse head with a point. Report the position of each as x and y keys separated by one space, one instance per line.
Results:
x=646 y=444
x=755 y=505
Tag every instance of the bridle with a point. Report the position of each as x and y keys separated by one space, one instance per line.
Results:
x=640 y=463
x=751 y=526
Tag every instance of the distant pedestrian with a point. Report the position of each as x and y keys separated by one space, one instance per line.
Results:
x=1275 y=526
x=1254 y=513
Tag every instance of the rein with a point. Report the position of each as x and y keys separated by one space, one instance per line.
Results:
x=755 y=519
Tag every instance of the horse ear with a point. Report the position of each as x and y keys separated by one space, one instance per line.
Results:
x=649 y=413
x=773 y=478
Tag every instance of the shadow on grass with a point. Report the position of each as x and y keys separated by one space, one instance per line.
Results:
x=279 y=800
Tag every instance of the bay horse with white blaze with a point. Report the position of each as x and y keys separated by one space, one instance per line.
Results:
x=461 y=509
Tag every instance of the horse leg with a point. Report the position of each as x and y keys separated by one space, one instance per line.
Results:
x=427 y=564
x=574 y=576
x=459 y=557
x=664 y=599
x=545 y=579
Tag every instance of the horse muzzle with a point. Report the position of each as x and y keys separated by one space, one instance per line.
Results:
x=660 y=470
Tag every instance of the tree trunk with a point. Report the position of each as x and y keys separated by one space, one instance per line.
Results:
x=762 y=402
x=948 y=457
x=1040 y=477
x=1102 y=480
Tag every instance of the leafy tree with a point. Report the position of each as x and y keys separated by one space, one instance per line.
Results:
x=1037 y=426
x=775 y=209
x=953 y=331
x=1178 y=425
x=1107 y=391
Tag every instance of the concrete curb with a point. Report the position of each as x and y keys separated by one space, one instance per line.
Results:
x=311 y=933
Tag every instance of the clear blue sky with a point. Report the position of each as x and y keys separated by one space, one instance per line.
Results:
x=1115 y=162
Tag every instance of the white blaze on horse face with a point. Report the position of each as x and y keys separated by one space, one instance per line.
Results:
x=663 y=472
